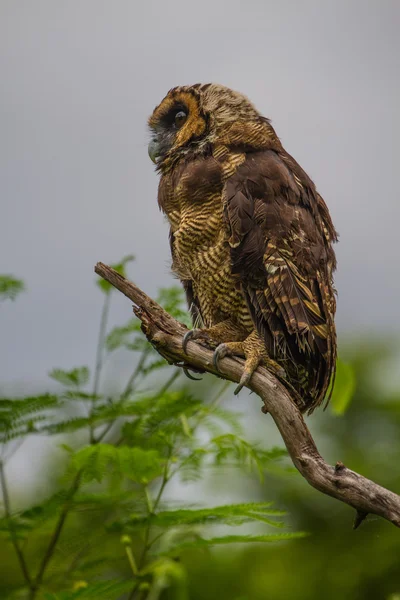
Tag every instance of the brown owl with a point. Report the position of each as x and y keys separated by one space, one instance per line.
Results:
x=251 y=238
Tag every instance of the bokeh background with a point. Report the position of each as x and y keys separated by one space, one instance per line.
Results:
x=78 y=81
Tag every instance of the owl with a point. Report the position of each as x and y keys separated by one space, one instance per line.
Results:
x=251 y=239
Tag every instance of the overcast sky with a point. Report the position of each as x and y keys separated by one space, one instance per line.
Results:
x=78 y=81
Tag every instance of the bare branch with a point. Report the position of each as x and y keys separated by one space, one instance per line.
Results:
x=165 y=334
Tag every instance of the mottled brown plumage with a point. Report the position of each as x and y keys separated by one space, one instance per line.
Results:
x=251 y=239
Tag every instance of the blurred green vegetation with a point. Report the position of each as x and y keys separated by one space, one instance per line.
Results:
x=273 y=537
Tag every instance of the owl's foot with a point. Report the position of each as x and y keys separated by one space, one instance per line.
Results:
x=225 y=330
x=253 y=349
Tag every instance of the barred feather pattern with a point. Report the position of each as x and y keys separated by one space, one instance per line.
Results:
x=251 y=239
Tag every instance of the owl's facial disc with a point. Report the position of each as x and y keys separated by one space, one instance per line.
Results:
x=164 y=132
x=174 y=124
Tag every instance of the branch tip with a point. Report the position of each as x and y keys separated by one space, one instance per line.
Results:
x=359 y=518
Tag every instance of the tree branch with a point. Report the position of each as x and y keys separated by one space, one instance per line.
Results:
x=165 y=334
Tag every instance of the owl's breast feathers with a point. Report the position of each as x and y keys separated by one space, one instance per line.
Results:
x=254 y=223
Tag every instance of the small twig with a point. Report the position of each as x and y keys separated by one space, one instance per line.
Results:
x=100 y=343
x=99 y=357
x=124 y=396
x=169 y=382
x=55 y=537
x=165 y=333
x=359 y=518
x=13 y=534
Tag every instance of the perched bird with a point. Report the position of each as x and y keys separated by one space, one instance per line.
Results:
x=251 y=238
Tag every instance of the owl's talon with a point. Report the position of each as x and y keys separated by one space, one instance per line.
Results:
x=220 y=352
x=194 y=334
x=186 y=338
x=244 y=380
x=189 y=376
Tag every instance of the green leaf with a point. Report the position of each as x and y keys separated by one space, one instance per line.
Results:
x=120 y=268
x=229 y=447
x=345 y=384
x=235 y=539
x=18 y=417
x=141 y=466
x=172 y=299
x=100 y=590
x=10 y=287
x=122 y=336
x=73 y=424
x=138 y=465
x=166 y=573
x=78 y=395
x=231 y=514
x=34 y=517
x=77 y=377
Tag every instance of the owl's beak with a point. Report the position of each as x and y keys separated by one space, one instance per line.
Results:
x=154 y=150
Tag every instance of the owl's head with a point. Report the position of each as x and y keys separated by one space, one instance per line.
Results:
x=192 y=120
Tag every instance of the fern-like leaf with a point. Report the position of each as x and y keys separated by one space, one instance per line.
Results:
x=136 y=464
x=200 y=542
x=231 y=448
x=77 y=377
x=10 y=287
x=120 y=267
x=100 y=590
x=231 y=514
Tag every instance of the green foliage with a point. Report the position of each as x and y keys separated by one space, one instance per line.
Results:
x=134 y=464
x=172 y=300
x=231 y=514
x=234 y=539
x=10 y=287
x=232 y=448
x=130 y=337
x=20 y=417
x=101 y=590
x=345 y=384
x=121 y=537
x=120 y=267
x=77 y=377
x=126 y=336
x=111 y=492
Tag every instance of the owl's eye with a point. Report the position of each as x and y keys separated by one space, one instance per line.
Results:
x=180 y=119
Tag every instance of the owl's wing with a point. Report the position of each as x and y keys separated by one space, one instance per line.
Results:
x=280 y=234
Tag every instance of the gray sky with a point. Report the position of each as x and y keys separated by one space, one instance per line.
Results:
x=78 y=81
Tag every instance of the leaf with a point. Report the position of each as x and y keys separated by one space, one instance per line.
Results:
x=18 y=417
x=120 y=268
x=345 y=384
x=172 y=299
x=122 y=336
x=73 y=424
x=10 y=287
x=166 y=573
x=141 y=466
x=34 y=517
x=155 y=365
x=100 y=590
x=235 y=539
x=191 y=467
x=230 y=447
x=78 y=395
x=77 y=377
x=231 y=514
x=138 y=465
